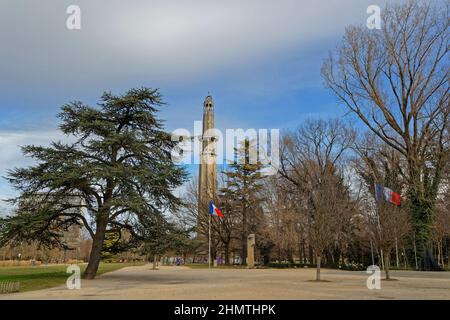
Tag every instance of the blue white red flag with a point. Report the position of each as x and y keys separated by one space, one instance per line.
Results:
x=214 y=211
x=383 y=193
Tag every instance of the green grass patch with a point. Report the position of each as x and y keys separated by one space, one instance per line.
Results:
x=222 y=266
x=285 y=265
x=42 y=277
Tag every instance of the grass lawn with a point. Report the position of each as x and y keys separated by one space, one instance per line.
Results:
x=205 y=266
x=41 y=277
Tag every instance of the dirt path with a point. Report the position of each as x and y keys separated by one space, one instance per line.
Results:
x=183 y=283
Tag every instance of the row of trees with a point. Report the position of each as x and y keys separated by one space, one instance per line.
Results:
x=320 y=206
x=396 y=81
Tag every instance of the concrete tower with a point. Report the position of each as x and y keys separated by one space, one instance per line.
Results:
x=207 y=182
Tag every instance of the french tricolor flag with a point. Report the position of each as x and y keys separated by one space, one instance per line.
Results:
x=383 y=193
x=214 y=211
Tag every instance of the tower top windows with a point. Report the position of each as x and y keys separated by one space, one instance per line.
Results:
x=208 y=103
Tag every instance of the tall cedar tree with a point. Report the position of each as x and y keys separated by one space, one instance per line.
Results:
x=119 y=165
x=243 y=184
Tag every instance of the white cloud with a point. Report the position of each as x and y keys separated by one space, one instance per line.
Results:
x=10 y=143
x=157 y=42
x=167 y=40
x=11 y=155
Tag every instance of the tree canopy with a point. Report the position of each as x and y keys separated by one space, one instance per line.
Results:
x=396 y=81
x=118 y=167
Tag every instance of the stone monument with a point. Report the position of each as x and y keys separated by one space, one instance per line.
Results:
x=251 y=251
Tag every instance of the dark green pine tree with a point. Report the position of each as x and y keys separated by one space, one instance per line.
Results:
x=119 y=168
x=243 y=185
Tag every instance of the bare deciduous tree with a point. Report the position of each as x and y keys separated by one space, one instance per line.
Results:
x=283 y=218
x=311 y=159
x=441 y=229
x=396 y=80
x=387 y=224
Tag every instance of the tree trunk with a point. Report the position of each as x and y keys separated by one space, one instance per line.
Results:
x=311 y=254
x=438 y=253
x=227 y=254
x=318 y=261
x=405 y=258
x=386 y=264
x=422 y=208
x=154 y=262
x=96 y=251
x=415 y=251
x=244 y=238
x=396 y=253
x=213 y=254
x=303 y=252
x=448 y=256
x=291 y=255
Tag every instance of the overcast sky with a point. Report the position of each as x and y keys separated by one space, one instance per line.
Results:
x=259 y=59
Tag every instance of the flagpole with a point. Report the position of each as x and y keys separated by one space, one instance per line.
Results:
x=209 y=243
